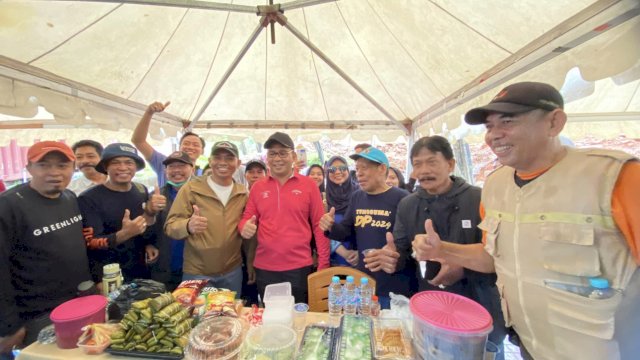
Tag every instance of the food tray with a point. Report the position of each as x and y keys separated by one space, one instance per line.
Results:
x=142 y=354
x=317 y=343
x=390 y=340
x=355 y=338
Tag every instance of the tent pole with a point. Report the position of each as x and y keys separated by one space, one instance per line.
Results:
x=283 y=21
x=264 y=21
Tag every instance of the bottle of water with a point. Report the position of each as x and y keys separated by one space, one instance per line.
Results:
x=600 y=289
x=335 y=297
x=365 y=296
x=350 y=298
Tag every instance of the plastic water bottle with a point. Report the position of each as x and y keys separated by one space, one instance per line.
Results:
x=365 y=296
x=335 y=297
x=350 y=298
x=600 y=289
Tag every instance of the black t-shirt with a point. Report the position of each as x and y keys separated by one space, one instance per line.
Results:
x=102 y=212
x=43 y=255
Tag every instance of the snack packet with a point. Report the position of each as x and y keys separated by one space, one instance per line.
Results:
x=188 y=290
x=220 y=303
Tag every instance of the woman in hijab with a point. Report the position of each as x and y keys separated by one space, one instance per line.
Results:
x=339 y=188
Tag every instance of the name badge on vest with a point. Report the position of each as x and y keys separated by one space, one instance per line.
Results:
x=466 y=224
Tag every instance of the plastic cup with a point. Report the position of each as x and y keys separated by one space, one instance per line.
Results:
x=300 y=316
x=367 y=252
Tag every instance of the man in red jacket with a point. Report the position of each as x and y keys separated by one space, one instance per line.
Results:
x=285 y=209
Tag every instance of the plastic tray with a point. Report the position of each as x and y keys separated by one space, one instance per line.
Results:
x=355 y=338
x=390 y=340
x=141 y=354
x=317 y=343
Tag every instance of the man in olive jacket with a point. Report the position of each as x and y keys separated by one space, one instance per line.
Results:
x=206 y=214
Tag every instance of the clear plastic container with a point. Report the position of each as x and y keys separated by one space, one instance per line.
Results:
x=317 y=343
x=216 y=338
x=278 y=304
x=448 y=326
x=355 y=338
x=280 y=289
x=90 y=348
x=269 y=342
x=390 y=340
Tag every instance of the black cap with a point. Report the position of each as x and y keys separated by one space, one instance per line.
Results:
x=280 y=138
x=176 y=156
x=226 y=146
x=518 y=98
x=254 y=163
x=117 y=150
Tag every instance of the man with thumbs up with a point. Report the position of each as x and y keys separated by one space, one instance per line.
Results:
x=206 y=213
x=449 y=205
x=370 y=216
x=117 y=215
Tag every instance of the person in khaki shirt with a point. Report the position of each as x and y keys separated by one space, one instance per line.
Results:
x=554 y=220
x=206 y=213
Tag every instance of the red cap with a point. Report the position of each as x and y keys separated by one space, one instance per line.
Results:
x=38 y=150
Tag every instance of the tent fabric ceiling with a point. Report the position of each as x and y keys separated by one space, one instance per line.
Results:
x=100 y=64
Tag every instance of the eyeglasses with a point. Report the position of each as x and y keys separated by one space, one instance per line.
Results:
x=333 y=169
x=281 y=154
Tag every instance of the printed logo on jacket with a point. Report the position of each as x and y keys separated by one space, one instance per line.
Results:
x=57 y=226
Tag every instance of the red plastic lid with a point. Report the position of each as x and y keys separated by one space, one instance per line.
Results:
x=451 y=312
x=78 y=308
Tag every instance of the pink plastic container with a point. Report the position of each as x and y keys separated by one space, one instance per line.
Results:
x=69 y=318
x=449 y=326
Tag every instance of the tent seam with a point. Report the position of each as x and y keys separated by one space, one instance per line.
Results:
x=315 y=67
x=74 y=35
x=173 y=33
x=405 y=50
x=626 y=108
x=368 y=63
x=470 y=28
x=213 y=60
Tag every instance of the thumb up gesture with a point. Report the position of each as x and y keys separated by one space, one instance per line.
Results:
x=197 y=224
x=327 y=220
x=157 y=202
x=249 y=229
x=427 y=246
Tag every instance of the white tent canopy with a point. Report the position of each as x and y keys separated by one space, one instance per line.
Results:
x=418 y=63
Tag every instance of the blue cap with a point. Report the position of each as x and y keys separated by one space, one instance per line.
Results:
x=372 y=154
x=335 y=279
x=350 y=279
x=364 y=280
x=599 y=283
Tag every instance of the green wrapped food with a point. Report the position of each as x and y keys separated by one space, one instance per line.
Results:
x=141 y=347
x=142 y=304
x=176 y=318
x=130 y=346
x=168 y=311
x=177 y=350
x=161 y=301
x=181 y=328
x=153 y=348
x=181 y=341
x=146 y=314
x=117 y=346
x=120 y=334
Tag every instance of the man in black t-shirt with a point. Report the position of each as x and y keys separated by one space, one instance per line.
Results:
x=43 y=257
x=117 y=216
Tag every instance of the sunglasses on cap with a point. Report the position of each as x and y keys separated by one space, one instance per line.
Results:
x=333 y=169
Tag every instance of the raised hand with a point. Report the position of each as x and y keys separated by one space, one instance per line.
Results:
x=327 y=220
x=249 y=229
x=197 y=224
x=133 y=227
x=427 y=246
x=157 y=107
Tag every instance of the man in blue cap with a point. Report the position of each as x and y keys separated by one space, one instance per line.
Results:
x=117 y=214
x=371 y=216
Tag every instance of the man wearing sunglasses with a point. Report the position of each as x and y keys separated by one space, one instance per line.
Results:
x=284 y=210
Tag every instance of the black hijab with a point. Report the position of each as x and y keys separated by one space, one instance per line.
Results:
x=401 y=183
x=339 y=196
